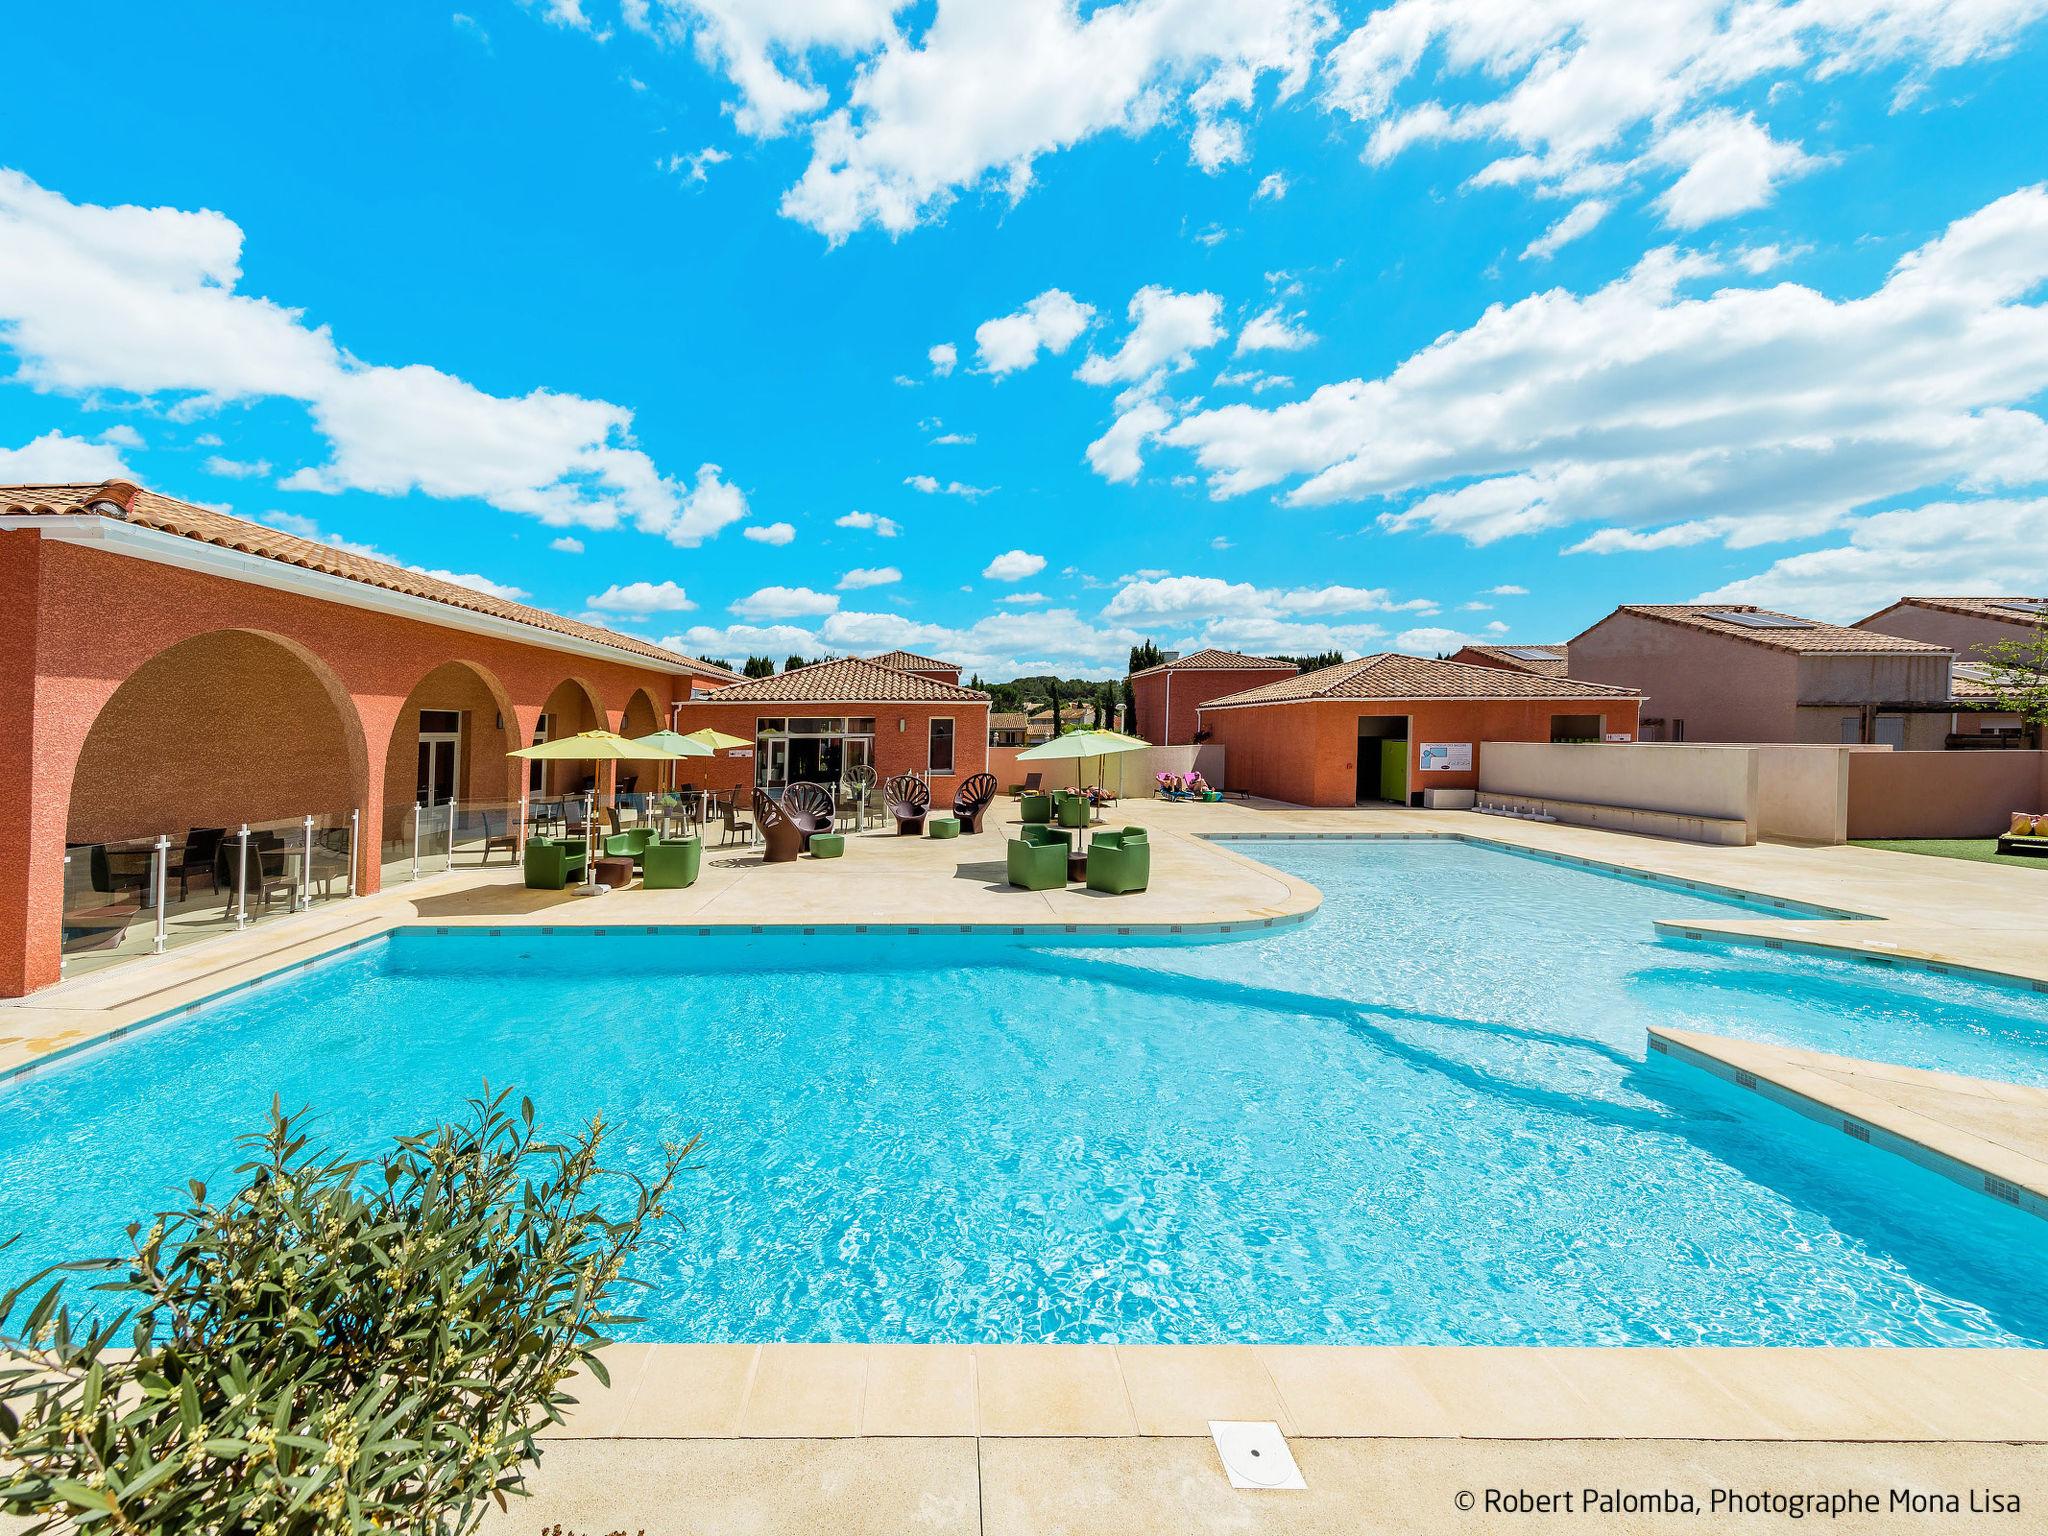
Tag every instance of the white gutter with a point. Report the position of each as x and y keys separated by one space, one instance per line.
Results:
x=188 y=554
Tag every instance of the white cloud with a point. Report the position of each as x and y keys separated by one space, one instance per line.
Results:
x=1579 y=221
x=770 y=533
x=1257 y=380
x=1507 y=589
x=476 y=583
x=143 y=302
x=1167 y=329
x=642 y=597
x=306 y=528
x=986 y=90
x=880 y=527
x=1432 y=640
x=1273 y=186
x=1495 y=627
x=1571 y=90
x=1220 y=543
x=567 y=544
x=696 y=167
x=1746 y=415
x=1118 y=455
x=737 y=640
x=943 y=357
x=1160 y=596
x=235 y=469
x=57 y=459
x=121 y=435
x=1013 y=565
x=1971 y=546
x=953 y=440
x=1022 y=599
x=1272 y=330
x=869 y=576
x=1049 y=323
x=1732 y=164
x=931 y=485
x=785 y=603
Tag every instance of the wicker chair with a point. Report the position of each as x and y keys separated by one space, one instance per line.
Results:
x=784 y=838
x=972 y=800
x=909 y=800
x=810 y=807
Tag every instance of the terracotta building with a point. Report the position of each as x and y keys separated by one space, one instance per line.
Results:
x=178 y=672
x=920 y=666
x=1730 y=672
x=1165 y=698
x=1969 y=626
x=819 y=722
x=1389 y=727
x=1543 y=660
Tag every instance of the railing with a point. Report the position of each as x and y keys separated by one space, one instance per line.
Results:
x=131 y=897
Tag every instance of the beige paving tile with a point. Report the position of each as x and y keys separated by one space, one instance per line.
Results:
x=1506 y=1393
x=1051 y=1389
x=806 y=1391
x=901 y=1487
x=692 y=1390
x=1655 y=1394
x=1352 y=1390
x=1176 y=1389
x=1823 y=1394
x=919 y=1389
x=601 y=1411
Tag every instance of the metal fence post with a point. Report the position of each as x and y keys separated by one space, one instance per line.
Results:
x=355 y=828
x=451 y=831
x=305 y=900
x=590 y=843
x=415 y=839
x=242 y=878
x=160 y=869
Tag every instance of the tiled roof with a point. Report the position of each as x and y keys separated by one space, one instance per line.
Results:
x=146 y=509
x=848 y=680
x=910 y=661
x=1390 y=675
x=1810 y=638
x=1971 y=680
x=1008 y=721
x=1974 y=607
x=1213 y=660
x=1510 y=656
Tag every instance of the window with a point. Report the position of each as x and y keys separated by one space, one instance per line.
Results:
x=941 y=758
x=537 y=769
x=1678 y=730
x=1852 y=730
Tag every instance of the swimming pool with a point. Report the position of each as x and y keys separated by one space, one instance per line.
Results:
x=980 y=1139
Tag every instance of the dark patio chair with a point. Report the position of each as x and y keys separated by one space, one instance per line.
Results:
x=1030 y=785
x=909 y=800
x=971 y=800
x=196 y=861
x=809 y=807
x=737 y=827
x=499 y=836
x=784 y=838
x=261 y=877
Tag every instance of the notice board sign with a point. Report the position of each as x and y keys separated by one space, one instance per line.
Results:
x=1446 y=757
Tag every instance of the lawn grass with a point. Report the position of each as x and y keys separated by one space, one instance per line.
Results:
x=1981 y=850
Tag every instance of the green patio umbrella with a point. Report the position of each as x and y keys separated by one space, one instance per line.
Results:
x=1085 y=743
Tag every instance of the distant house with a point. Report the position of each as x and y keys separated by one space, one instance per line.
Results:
x=1968 y=626
x=1543 y=660
x=1389 y=727
x=1009 y=729
x=920 y=666
x=1168 y=695
x=1732 y=672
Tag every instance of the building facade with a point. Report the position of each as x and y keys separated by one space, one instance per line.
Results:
x=1167 y=699
x=1969 y=626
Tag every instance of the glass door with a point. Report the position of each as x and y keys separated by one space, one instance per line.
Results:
x=440 y=750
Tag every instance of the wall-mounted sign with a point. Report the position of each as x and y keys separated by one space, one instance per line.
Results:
x=741 y=752
x=1620 y=736
x=1446 y=757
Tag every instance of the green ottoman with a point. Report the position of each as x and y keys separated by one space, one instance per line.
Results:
x=827 y=845
x=943 y=826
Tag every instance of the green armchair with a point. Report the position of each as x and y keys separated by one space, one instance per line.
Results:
x=1119 y=862
x=1038 y=858
x=1033 y=808
x=1071 y=810
x=551 y=866
x=669 y=866
x=632 y=843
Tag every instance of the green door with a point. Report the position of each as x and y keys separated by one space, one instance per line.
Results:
x=1394 y=769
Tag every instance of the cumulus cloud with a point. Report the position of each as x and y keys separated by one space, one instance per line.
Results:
x=1273 y=330
x=880 y=527
x=1159 y=597
x=770 y=533
x=1507 y=589
x=1581 y=220
x=58 y=459
x=931 y=485
x=1167 y=329
x=1272 y=186
x=696 y=167
x=735 y=640
x=567 y=544
x=1049 y=323
x=869 y=576
x=1013 y=565
x=642 y=597
x=1118 y=455
x=236 y=469
x=1731 y=165
x=943 y=357
x=785 y=603
x=1744 y=415
x=144 y=302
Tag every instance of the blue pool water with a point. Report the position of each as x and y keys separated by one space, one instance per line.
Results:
x=1424 y=1117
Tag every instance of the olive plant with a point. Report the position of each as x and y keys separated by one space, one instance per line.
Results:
x=340 y=1345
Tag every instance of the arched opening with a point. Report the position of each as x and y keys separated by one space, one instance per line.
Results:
x=641 y=717
x=223 y=729
x=572 y=708
x=448 y=745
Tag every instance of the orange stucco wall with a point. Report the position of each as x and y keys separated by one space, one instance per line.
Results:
x=902 y=739
x=1165 y=715
x=291 y=705
x=1307 y=752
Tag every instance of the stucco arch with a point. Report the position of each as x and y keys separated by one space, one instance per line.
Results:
x=573 y=706
x=486 y=728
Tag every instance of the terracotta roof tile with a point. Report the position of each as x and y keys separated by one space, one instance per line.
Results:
x=910 y=661
x=1808 y=637
x=1213 y=660
x=146 y=509
x=1510 y=656
x=848 y=680
x=1971 y=680
x=1976 y=607
x=1390 y=675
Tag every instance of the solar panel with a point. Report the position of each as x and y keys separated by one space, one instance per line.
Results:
x=1532 y=652
x=2034 y=605
x=1760 y=620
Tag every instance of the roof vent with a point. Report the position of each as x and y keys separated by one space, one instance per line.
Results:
x=113 y=499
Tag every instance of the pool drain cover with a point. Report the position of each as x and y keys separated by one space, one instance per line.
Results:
x=1255 y=1455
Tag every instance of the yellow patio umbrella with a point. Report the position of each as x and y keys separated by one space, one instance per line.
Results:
x=717 y=741
x=680 y=746
x=594 y=746
x=1086 y=743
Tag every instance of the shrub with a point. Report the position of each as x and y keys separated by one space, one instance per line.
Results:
x=338 y=1346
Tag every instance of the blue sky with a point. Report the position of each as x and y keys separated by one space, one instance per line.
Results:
x=1281 y=327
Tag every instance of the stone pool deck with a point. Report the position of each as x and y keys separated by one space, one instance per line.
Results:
x=718 y=1438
